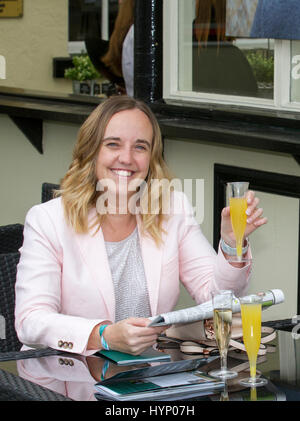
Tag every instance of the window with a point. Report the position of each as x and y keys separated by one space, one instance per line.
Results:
x=90 y=19
x=203 y=63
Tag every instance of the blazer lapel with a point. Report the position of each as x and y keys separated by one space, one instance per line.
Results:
x=152 y=258
x=93 y=249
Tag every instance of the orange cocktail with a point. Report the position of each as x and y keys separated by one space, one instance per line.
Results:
x=251 y=321
x=238 y=206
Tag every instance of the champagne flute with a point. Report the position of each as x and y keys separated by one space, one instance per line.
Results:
x=251 y=322
x=238 y=205
x=222 y=305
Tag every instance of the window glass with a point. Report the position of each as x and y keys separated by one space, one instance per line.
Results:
x=211 y=62
x=85 y=17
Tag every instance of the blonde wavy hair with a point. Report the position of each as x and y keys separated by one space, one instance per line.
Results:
x=78 y=187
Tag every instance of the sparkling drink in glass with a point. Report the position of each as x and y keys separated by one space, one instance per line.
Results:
x=222 y=305
x=238 y=205
x=251 y=322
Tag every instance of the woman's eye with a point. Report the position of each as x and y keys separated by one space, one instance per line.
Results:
x=141 y=147
x=112 y=144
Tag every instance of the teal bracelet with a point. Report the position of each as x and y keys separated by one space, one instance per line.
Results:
x=104 y=369
x=103 y=341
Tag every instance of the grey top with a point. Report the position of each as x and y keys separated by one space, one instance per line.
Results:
x=129 y=279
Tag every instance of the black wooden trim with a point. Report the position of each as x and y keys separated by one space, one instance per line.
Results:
x=265 y=131
x=268 y=182
x=231 y=133
x=32 y=128
x=148 y=50
x=297 y=158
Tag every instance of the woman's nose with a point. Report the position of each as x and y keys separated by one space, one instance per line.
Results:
x=125 y=156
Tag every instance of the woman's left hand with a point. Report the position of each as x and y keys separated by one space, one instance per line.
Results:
x=254 y=219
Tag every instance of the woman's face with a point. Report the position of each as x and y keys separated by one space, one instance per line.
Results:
x=125 y=151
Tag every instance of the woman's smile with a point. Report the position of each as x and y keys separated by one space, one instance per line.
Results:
x=122 y=172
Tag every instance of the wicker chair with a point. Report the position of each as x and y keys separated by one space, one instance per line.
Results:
x=9 y=343
x=11 y=238
x=8 y=270
x=47 y=191
x=15 y=388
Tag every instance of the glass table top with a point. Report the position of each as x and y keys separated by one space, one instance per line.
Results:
x=73 y=376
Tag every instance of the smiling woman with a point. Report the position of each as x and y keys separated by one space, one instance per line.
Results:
x=87 y=281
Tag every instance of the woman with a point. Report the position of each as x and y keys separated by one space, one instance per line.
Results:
x=88 y=268
x=119 y=57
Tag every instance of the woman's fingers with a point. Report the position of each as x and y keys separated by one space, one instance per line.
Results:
x=132 y=335
x=137 y=344
x=256 y=214
x=141 y=327
x=260 y=221
x=251 y=207
x=139 y=348
x=137 y=321
x=250 y=196
x=226 y=211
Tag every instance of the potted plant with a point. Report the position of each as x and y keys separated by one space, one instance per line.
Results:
x=263 y=70
x=83 y=74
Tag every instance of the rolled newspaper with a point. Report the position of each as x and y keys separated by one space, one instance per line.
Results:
x=205 y=310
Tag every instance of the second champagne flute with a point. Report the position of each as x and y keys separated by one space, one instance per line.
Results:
x=236 y=192
x=222 y=305
x=251 y=321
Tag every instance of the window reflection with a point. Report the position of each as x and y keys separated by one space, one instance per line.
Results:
x=85 y=17
x=221 y=64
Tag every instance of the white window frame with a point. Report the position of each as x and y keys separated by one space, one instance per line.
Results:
x=282 y=72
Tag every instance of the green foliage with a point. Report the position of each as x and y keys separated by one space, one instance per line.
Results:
x=83 y=69
x=263 y=67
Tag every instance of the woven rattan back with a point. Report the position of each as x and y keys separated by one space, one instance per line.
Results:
x=47 y=191
x=8 y=269
x=11 y=238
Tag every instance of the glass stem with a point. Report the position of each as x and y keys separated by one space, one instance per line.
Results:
x=253 y=370
x=224 y=360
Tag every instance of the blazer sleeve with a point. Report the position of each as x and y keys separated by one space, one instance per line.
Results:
x=201 y=269
x=38 y=318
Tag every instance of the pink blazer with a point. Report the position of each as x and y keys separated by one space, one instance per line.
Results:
x=64 y=286
x=68 y=376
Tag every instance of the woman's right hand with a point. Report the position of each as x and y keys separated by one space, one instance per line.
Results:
x=132 y=335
